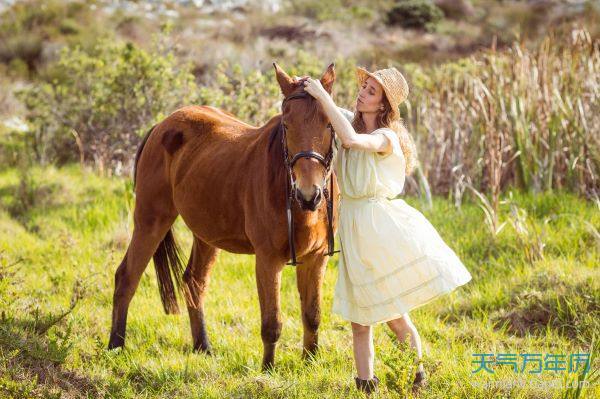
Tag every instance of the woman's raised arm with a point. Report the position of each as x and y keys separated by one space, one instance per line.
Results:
x=341 y=124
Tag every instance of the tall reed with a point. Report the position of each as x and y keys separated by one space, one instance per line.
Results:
x=528 y=118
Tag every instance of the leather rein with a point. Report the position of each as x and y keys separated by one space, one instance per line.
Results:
x=291 y=188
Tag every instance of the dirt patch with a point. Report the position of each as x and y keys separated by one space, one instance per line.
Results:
x=560 y=302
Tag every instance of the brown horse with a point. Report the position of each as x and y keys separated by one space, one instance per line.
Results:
x=228 y=182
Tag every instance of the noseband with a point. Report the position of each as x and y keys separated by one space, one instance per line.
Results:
x=291 y=188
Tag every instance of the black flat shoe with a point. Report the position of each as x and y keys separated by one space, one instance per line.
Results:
x=367 y=386
x=420 y=381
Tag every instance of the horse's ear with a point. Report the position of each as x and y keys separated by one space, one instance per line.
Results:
x=285 y=82
x=328 y=78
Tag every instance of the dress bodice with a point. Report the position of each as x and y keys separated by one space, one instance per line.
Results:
x=364 y=173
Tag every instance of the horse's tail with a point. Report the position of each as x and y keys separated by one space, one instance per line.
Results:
x=168 y=264
x=139 y=152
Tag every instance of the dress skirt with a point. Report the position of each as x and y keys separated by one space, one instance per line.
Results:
x=392 y=260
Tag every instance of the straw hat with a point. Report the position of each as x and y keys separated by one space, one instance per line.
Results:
x=393 y=83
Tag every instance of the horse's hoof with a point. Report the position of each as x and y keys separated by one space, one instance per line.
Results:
x=309 y=355
x=205 y=349
x=268 y=367
x=367 y=386
x=115 y=342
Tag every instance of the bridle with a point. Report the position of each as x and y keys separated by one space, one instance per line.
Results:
x=291 y=188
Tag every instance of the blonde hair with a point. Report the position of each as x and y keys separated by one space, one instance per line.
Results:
x=384 y=119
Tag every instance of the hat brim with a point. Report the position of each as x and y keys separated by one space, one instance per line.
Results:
x=362 y=75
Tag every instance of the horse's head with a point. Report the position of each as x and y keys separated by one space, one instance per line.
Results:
x=308 y=136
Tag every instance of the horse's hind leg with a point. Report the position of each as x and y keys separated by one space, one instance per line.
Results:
x=150 y=229
x=197 y=277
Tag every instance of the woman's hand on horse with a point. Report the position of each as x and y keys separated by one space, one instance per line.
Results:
x=297 y=79
x=315 y=89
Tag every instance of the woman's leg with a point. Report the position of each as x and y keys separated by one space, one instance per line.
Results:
x=364 y=351
x=404 y=328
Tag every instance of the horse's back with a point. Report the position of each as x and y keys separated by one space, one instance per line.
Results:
x=187 y=136
x=207 y=114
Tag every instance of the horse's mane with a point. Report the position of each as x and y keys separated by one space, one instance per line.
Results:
x=275 y=151
x=275 y=134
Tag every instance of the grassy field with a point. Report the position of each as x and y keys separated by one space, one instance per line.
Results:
x=63 y=232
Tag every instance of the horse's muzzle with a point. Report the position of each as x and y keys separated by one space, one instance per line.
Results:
x=312 y=203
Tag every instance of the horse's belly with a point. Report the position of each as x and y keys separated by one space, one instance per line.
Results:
x=233 y=245
x=214 y=229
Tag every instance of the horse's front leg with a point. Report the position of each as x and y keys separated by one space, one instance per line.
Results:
x=268 y=279
x=310 y=280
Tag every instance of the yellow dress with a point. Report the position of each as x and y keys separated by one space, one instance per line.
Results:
x=391 y=258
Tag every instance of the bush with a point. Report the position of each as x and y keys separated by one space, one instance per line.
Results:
x=414 y=14
x=98 y=102
x=25 y=47
x=31 y=29
x=94 y=104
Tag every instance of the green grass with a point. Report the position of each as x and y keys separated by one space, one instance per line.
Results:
x=64 y=231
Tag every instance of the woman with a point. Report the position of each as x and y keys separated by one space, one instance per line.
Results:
x=392 y=259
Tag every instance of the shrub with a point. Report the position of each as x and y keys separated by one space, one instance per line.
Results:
x=26 y=47
x=98 y=102
x=414 y=14
x=94 y=104
x=31 y=29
